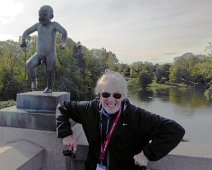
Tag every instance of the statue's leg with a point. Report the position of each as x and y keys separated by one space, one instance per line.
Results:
x=33 y=62
x=50 y=72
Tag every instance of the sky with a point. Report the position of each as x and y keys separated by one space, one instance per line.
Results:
x=155 y=31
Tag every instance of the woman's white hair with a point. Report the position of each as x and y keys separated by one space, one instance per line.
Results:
x=112 y=77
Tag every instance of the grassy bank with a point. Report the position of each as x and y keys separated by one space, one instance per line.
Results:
x=8 y=103
x=158 y=86
x=134 y=84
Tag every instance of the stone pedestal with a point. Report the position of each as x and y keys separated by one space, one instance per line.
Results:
x=38 y=101
x=33 y=110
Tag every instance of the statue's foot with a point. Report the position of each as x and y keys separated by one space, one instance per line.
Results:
x=47 y=90
x=34 y=86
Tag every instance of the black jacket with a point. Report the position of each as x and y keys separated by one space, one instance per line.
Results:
x=136 y=130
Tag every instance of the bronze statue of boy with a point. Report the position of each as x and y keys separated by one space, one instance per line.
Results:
x=45 y=48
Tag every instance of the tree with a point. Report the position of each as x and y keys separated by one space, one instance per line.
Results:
x=183 y=69
x=68 y=76
x=208 y=93
x=162 y=73
x=150 y=68
x=12 y=70
x=145 y=79
x=9 y=86
x=139 y=66
x=124 y=69
x=135 y=69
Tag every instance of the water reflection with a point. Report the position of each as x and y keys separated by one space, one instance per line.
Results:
x=189 y=97
x=189 y=107
x=182 y=97
x=144 y=95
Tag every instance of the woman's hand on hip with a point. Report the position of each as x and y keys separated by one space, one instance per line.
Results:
x=140 y=159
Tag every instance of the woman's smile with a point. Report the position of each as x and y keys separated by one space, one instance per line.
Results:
x=111 y=98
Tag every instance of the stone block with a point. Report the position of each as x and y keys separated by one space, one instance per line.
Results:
x=21 y=155
x=53 y=147
x=13 y=117
x=37 y=101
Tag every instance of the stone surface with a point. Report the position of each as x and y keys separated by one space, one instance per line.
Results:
x=22 y=155
x=37 y=101
x=34 y=110
x=13 y=117
x=186 y=156
x=54 y=159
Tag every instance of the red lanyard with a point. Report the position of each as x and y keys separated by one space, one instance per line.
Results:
x=108 y=138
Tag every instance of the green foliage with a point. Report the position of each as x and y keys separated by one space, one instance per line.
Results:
x=191 y=70
x=162 y=73
x=145 y=79
x=106 y=59
x=68 y=76
x=11 y=70
x=77 y=72
x=137 y=67
x=133 y=84
x=124 y=69
x=208 y=93
x=9 y=85
x=77 y=75
x=7 y=103
x=158 y=86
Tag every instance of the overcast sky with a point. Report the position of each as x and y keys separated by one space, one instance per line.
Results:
x=135 y=30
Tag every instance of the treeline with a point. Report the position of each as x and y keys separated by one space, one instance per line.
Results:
x=189 y=69
x=78 y=69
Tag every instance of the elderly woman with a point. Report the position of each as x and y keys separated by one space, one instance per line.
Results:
x=121 y=136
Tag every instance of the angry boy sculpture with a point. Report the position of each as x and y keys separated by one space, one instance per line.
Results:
x=45 y=48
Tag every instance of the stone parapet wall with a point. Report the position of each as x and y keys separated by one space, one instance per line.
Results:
x=186 y=156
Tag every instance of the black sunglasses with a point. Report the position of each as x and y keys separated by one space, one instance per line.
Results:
x=115 y=95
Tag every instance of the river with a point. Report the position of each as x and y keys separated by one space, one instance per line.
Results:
x=189 y=107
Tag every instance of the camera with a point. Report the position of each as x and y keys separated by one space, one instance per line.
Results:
x=69 y=153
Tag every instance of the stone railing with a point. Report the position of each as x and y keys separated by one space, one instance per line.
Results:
x=186 y=156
